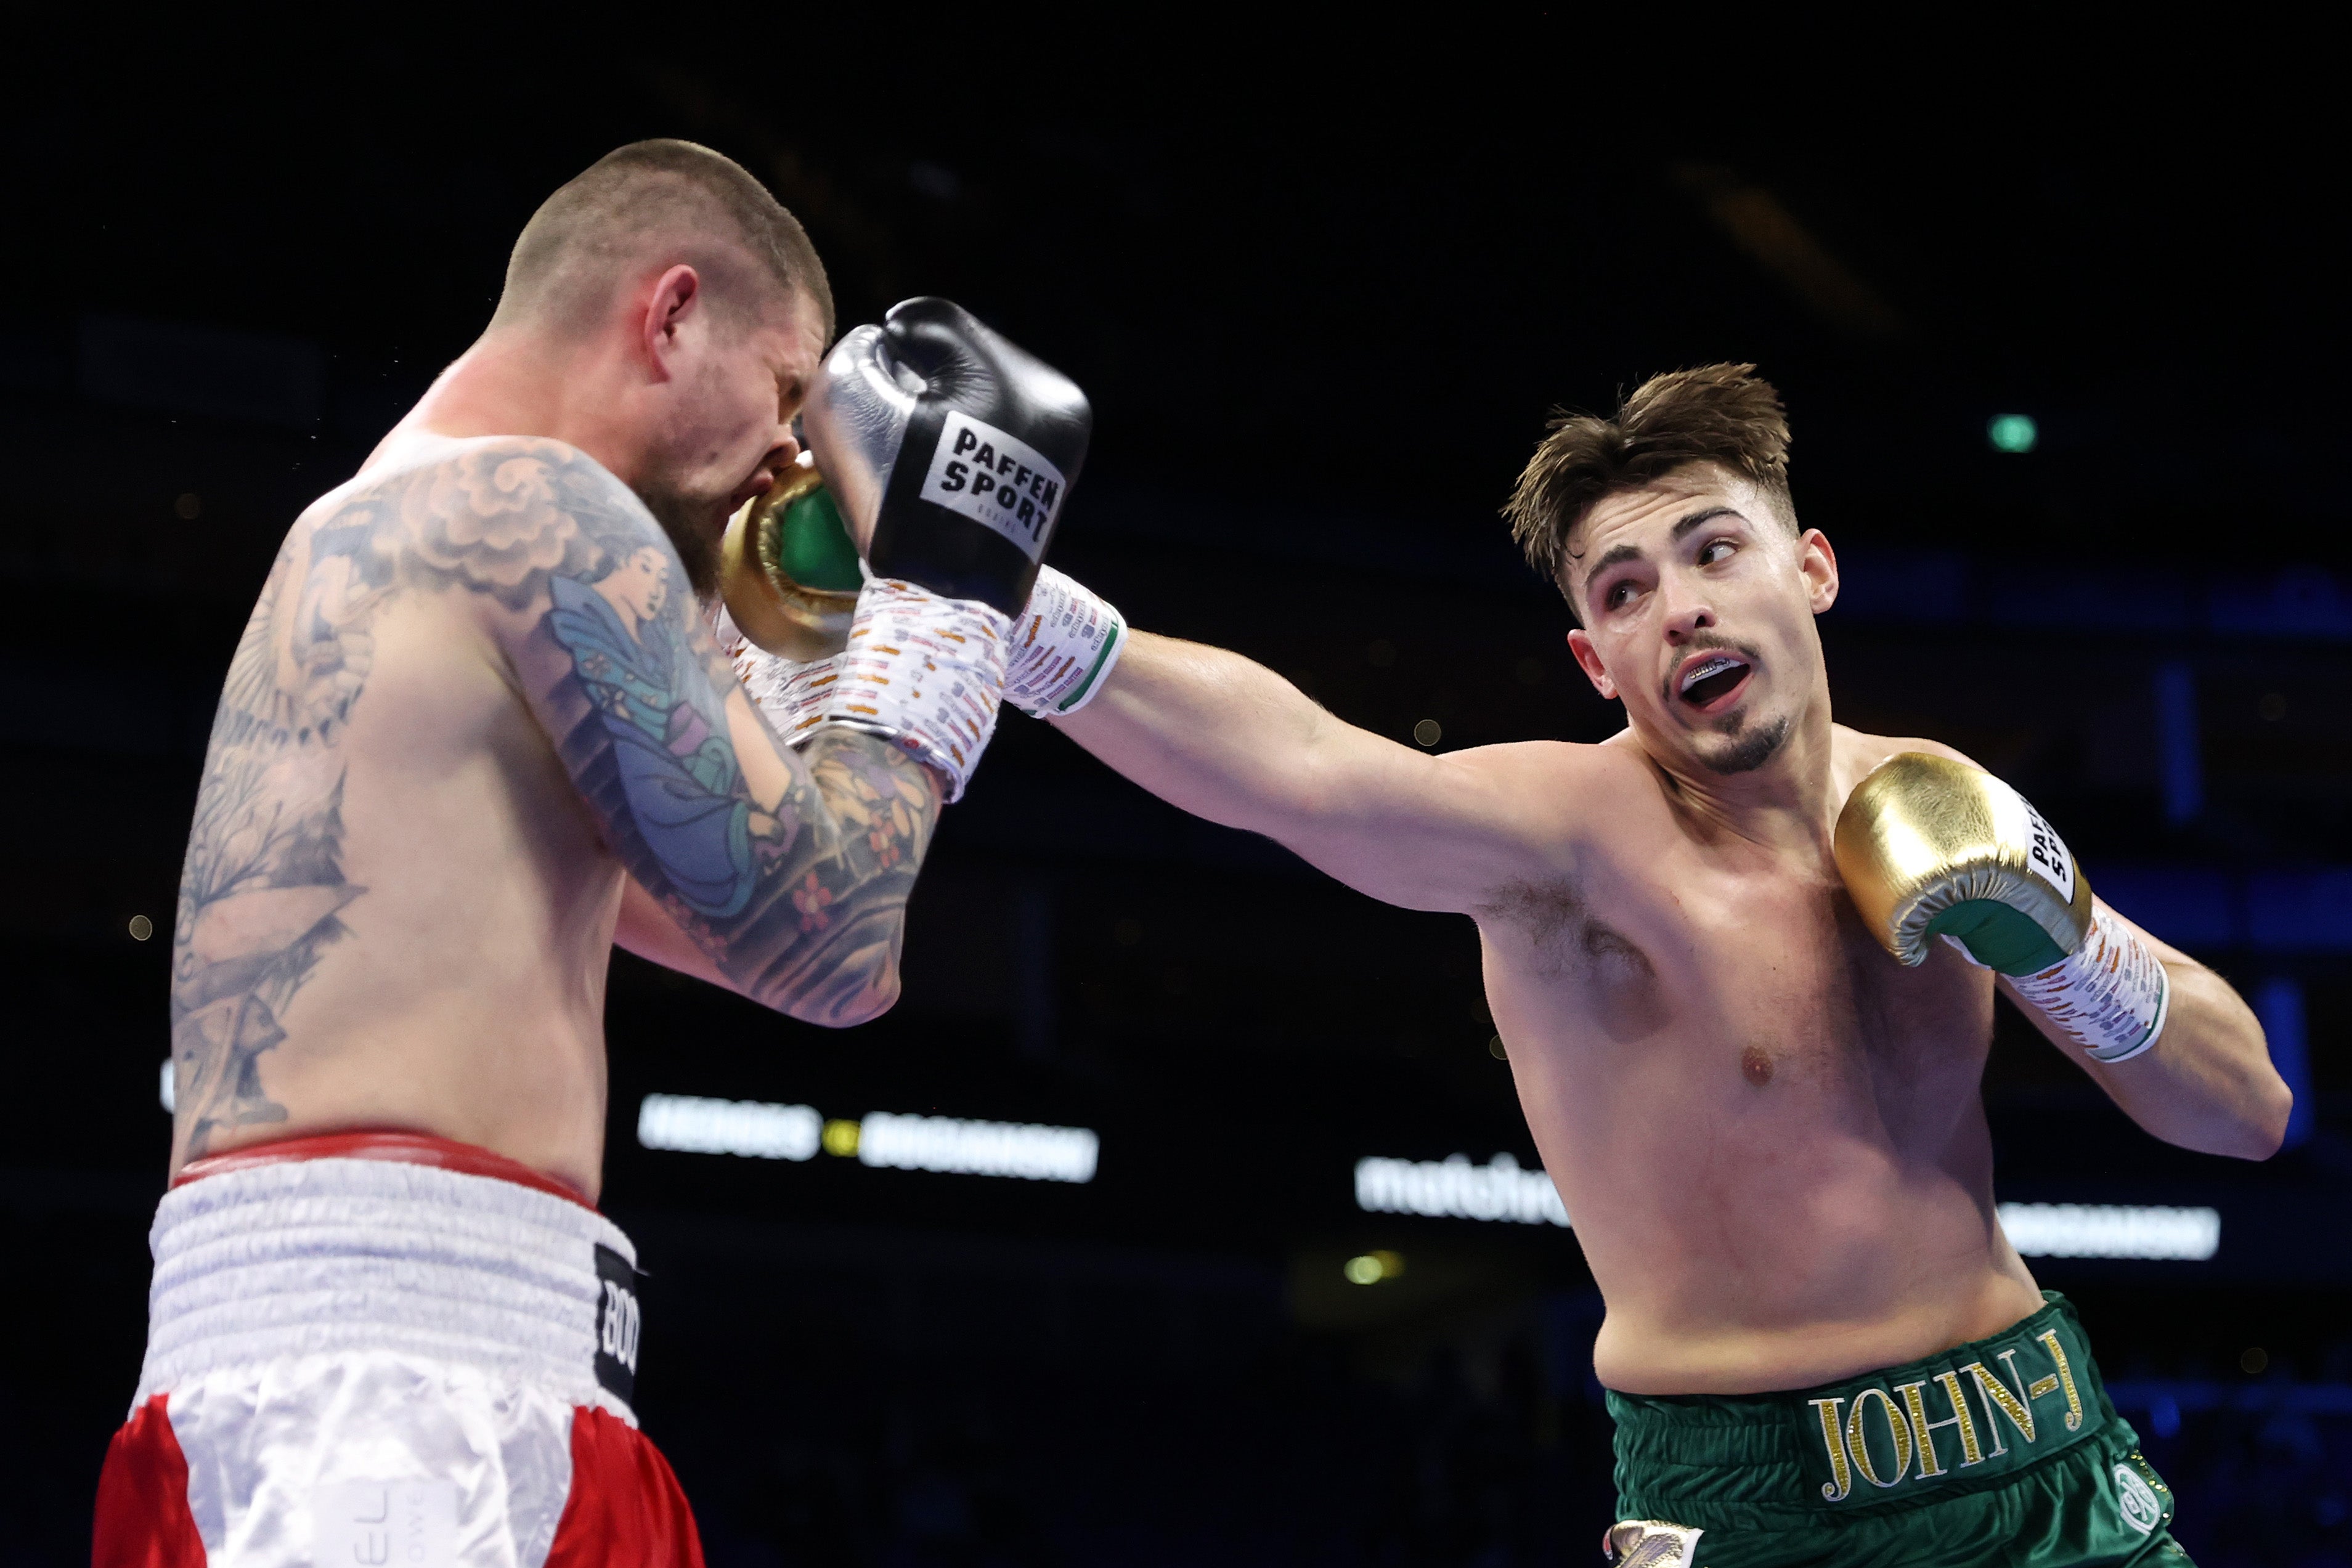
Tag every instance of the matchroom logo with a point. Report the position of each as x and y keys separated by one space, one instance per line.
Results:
x=1455 y=1189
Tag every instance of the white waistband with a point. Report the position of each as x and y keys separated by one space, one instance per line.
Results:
x=336 y=1255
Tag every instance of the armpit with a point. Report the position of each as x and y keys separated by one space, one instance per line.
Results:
x=1543 y=910
x=1571 y=944
x=1559 y=923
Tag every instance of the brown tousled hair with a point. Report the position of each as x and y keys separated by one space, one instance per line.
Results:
x=667 y=196
x=1715 y=413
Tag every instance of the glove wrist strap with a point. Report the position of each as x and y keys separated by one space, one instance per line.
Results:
x=922 y=672
x=2111 y=996
x=1065 y=641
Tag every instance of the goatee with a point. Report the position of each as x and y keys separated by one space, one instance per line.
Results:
x=1748 y=755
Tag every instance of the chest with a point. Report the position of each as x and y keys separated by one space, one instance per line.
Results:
x=1674 y=949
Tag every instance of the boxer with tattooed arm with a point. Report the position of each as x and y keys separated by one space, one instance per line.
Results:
x=478 y=728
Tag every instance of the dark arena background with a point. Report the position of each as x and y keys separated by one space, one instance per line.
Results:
x=2065 y=362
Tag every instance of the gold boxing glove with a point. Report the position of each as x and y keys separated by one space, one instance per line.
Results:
x=1929 y=847
x=788 y=570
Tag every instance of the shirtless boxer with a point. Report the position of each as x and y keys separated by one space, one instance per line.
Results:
x=477 y=730
x=1818 y=1346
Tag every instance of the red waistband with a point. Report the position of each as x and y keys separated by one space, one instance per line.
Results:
x=401 y=1148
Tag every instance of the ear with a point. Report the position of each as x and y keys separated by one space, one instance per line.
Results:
x=676 y=296
x=1588 y=659
x=1817 y=564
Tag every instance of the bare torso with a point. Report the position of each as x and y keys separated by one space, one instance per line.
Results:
x=409 y=865
x=474 y=724
x=1767 y=1133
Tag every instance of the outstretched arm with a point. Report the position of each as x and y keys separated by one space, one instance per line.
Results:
x=787 y=870
x=2207 y=1083
x=1233 y=742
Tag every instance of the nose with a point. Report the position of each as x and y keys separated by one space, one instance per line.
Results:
x=778 y=457
x=1687 y=609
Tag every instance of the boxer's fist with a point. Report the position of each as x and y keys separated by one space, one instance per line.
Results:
x=950 y=450
x=1929 y=847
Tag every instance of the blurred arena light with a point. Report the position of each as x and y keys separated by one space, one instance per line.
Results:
x=1759 y=223
x=1455 y=1189
x=1500 y=1190
x=2014 y=433
x=690 y=1124
x=1371 y=1267
x=686 y=1124
x=978 y=1148
x=2112 y=1230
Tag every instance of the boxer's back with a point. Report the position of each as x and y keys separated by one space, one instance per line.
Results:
x=395 y=910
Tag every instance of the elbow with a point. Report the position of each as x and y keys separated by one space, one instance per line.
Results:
x=2264 y=1131
x=2257 y=1129
x=851 y=995
x=877 y=996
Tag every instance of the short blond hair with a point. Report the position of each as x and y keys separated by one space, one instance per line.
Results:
x=700 y=206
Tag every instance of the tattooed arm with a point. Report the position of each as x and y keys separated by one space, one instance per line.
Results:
x=787 y=870
x=645 y=929
x=783 y=874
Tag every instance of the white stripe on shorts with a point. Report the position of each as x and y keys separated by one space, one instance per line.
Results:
x=277 y=1260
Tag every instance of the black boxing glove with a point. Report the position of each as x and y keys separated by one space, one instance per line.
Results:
x=950 y=451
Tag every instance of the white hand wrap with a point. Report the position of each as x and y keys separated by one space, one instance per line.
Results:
x=920 y=670
x=791 y=693
x=1064 y=643
x=2111 y=996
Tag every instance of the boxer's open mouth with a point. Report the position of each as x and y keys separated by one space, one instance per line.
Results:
x=1711 y=681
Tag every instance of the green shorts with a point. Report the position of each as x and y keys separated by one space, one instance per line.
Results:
x=2002 y=1451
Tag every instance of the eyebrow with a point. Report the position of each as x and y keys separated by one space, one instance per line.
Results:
x=1617 y=554
x=1702 y=516
x=1609 y=557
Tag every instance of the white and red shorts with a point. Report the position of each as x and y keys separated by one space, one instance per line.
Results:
x=384 y=1348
